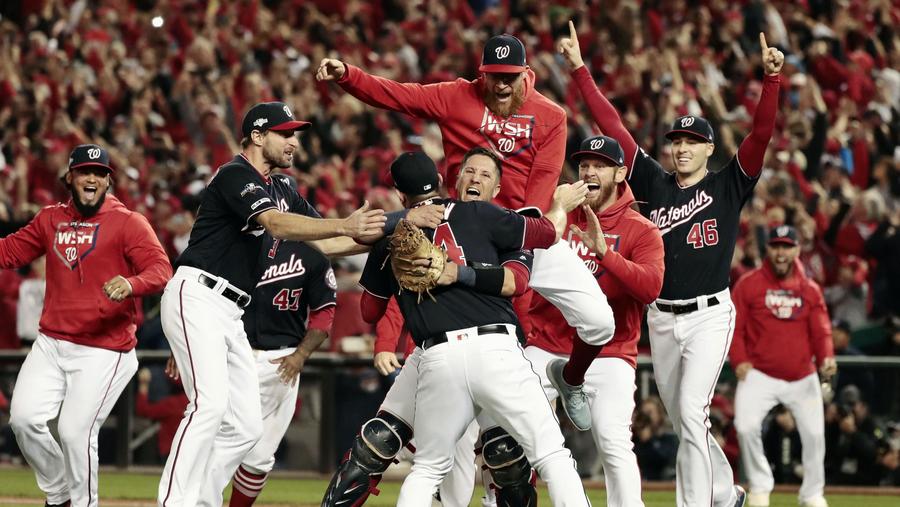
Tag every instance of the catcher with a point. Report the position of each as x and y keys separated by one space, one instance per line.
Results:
x=466 y=337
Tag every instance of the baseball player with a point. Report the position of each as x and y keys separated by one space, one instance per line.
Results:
x=100 y=256
x=503 y=112
x=624 y=250
x=782 y=324
x=202 y=305
x=471 y=358
x=697 y=212
x=479 y=180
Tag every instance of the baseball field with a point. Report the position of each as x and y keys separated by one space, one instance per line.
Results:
x=17 y=488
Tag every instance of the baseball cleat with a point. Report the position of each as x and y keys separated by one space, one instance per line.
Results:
x=741 y=496
x=574 y=400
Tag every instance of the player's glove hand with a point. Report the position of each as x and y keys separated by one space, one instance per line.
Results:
x=386 y=362
x=330 y=70
x=772 y=58
x=407 y=245
x=569 y=48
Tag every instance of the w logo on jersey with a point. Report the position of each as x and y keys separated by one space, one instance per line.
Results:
x=507 y=136
x=783 y=303
x=74 y=241
x=588 y=255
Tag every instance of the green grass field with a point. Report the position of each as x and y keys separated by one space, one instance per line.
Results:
x=18 y=485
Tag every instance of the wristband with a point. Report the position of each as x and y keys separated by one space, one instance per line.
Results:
x=465 y=275
x=489 y=279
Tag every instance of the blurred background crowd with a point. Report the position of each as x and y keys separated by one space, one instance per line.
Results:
x=163 y=84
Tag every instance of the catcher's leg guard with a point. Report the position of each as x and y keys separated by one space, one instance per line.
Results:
x=379 y=440
x=512 y=474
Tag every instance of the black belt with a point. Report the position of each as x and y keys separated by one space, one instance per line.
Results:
x=242 y=300
x=688 y=308
x=437 y=339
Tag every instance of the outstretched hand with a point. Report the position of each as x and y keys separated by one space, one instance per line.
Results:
x=772 y=58
x=330 y=70
x=364 y=222
x=569 y=48
x=592 y=238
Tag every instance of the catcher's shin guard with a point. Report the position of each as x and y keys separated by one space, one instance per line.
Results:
x=512 y=474
x=379 y=440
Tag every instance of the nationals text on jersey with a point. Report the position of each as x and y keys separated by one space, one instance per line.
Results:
x=783 y=303
x=667 y=218
x=282 y=271
x=515 y=132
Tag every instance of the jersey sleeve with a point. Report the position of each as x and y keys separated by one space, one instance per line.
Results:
x=389 y=328
x=604 y=114
x=506 y=228
x=821 y=342
x=523 y=257
x=146 y=256
x=423 y=101
x=321 y=289
x=298 y=204
x=377 y=278
x=546 y=168
x=24 y=245
x=642 y=273
x=642 y=173
x=738 y=352
x=738 y=184
x=242 y=195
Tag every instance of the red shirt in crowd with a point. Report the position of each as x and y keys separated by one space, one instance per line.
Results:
x=531 y=142
x=168 y=411
x=82 y=255
x=781 y=323
x=630 y=274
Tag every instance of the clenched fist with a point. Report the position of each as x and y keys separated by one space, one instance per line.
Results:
x=330 y=70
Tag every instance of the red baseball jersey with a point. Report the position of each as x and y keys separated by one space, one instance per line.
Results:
x=82 y=255
x=531 y=142
x=781 y=323
x=630 y=274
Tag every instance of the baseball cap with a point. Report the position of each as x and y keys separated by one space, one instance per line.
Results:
x=271 y=116
x=783 y=234
x=503 y=53
x=414 y=173
x=89 y=154
x=601 y=147
x=692 y=125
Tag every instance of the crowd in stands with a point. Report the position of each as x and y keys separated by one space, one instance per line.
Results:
x=163 y=85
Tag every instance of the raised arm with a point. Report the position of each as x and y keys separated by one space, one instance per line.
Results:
x=424 y=101
x=603 y=112
x=546 y=168
x=24 y=246
x=362 y=222
x=751 y=152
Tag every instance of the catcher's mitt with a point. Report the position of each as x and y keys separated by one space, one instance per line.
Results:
x=407 y=244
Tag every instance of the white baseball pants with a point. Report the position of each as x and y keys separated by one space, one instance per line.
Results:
x=560 y=276
x=457 y=487
x=609 y=383
x=688 y=351
x=756 y=395
x=222 y=421
x=486 y=374
x=81 y=384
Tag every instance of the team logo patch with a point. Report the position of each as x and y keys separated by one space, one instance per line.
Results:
x=74 y=241
x=330 y=280
x=588 y=255
x=596 y=144
x=783 y=303
x=250 y=188
x=288 y=112
x=93 y=153
x=507 y=136
x=260 y=122
x=687 y=121
x=502 y=52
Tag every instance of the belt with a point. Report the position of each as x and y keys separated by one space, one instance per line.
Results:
x=686 y=308
x=239 y=298
x=439 y=338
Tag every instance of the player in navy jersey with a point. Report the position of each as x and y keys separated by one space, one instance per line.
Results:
x=471 y=358
x=289 y=317
x=697 y=211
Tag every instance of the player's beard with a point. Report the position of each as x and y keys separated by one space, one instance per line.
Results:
x=87 y=210
x=606 y=191
x=276 y=158
x=509 y=108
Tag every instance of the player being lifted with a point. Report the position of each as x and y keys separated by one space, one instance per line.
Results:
x=697 y=212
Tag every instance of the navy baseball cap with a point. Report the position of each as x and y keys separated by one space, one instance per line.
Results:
x=414 y=173
x=601 y=147
x=784 y=235
x=691 y=125
x=89 y=154
x=271 y=116
x=504 y=54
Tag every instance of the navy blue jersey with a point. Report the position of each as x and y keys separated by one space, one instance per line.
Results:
x=225 y=240
x=472 y=233
x=296 y=279
x=699 y=224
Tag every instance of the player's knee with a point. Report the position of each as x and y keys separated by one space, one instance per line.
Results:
x=24 y=422
x=746 y=427
x=380 y=439
x=614 y=443
x=72 y=434
x=598 y=327
x=504 y=457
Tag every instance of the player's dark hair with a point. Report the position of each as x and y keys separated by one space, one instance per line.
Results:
x=480 y=150
x=245 y=142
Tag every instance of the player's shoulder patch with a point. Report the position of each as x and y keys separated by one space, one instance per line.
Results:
x=330 y=279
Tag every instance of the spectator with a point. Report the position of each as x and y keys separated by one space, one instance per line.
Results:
x=851 y=375
x=781 y=441
x=167 y=411
x=851 y=453
x=654 y=444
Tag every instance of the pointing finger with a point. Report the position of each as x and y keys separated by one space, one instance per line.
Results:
x=572 y=33
x=762 y=42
